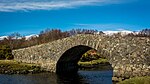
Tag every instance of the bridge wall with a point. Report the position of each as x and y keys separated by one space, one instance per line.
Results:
x=129 y=56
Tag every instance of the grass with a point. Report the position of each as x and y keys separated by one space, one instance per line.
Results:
x=12 y=65
x=99 y=64
x=93 y=62
x=137 y=80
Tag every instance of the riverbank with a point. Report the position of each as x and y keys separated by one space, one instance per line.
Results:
x=100 y=64
x=14 y=67
x=136 y=80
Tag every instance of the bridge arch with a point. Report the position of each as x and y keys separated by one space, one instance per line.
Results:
x=125 y=54
x=67 y=63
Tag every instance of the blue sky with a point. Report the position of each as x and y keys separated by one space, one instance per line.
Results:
x=32 y=16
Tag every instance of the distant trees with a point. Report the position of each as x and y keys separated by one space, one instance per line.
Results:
x=55 y=34
x=81 y=31
x=51 y=35
x=142 y=33
x=145 y=32
x=16 y=40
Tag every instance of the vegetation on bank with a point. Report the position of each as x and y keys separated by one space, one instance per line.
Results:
x=136 y=80
x=14 y=67
x=91 y=59
x=93 y=62
x=99 y=64
x=9 y=66
x=5 y=52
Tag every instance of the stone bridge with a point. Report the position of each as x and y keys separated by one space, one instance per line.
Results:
x=128 y=56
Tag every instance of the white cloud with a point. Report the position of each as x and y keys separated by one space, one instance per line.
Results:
x=26 y=5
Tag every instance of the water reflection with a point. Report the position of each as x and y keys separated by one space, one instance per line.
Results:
x=82 y=77
x=70 y=78
x=97 y=77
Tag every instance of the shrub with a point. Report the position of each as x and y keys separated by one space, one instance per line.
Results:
x=89 y=56
x=5 y=52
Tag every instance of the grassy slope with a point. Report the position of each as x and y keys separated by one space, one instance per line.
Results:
x=137 y=80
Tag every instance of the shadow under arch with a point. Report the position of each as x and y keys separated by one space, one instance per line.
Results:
x=67 y=63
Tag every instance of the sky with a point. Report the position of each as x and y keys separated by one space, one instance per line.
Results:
x=32 y=16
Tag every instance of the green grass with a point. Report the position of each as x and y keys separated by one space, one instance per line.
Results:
x=136 y=80
x=93 y=62
x=12 y=65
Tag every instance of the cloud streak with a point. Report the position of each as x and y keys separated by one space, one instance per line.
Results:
x=27 y=5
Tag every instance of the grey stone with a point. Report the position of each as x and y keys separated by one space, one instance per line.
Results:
x=125 y=53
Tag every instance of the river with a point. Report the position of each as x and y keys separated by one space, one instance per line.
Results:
x=82 y=77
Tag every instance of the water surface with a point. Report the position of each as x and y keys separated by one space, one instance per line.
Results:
x=82 y=77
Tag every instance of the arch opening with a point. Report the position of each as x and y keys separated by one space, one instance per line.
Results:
x=68 y=62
